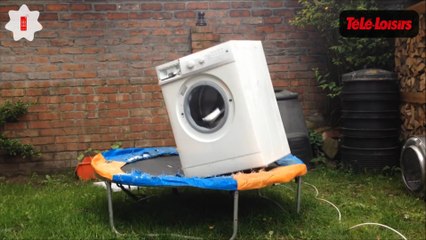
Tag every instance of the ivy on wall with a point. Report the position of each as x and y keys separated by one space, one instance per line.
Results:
x=11 y=112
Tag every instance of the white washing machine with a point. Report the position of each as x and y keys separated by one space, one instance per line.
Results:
x=223 y=110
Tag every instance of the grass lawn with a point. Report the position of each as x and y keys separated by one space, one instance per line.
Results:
x=61 y=207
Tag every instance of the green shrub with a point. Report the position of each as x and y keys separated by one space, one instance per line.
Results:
x=343 y=54
x=11 y=112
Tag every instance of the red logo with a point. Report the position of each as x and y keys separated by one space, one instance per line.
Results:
x=379 y=23
x=23 y=23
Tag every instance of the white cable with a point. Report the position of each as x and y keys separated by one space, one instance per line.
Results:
x=173 y=235
x=381 y=225
x=275 y=202
x=358 y=225
x=325 y=200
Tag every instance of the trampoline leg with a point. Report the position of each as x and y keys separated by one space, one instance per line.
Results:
x=298 y=193
x=110 y=209
x=235 y=222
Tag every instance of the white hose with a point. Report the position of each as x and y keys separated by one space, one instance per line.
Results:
x=381 y=225
x=358 y=225
x=325 y=200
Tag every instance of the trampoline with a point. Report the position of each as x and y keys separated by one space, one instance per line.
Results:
x=160 y=167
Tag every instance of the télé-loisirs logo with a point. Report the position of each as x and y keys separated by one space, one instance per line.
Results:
x=369 y=24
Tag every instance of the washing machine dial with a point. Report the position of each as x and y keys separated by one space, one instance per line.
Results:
x=190 y=64
x=201 y=61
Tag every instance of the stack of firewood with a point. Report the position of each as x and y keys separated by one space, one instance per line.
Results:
x=410 y=65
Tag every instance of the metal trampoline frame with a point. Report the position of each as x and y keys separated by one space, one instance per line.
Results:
x=235 y=210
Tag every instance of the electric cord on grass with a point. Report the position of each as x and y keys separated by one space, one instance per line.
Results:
x=325 y=200
x=381 y=225
x=358 y=225
x=174 y=235
x=273 y=201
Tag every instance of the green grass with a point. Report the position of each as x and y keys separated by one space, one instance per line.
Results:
x=60 y=207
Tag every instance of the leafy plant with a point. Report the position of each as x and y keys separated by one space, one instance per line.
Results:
x=325 y=83
x=11 y=112
x=87 y=153
x=315 y=138
x=343 y=54
x=92 y=152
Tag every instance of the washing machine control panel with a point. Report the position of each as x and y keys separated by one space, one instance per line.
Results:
x=205 y=59
x=168 y=70
x=196 y=62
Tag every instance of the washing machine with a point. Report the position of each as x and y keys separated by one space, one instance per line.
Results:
x=222 y=109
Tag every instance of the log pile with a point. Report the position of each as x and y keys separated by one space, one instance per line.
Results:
x=410 y=65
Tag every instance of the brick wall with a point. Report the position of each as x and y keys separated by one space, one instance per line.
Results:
x=91 y=73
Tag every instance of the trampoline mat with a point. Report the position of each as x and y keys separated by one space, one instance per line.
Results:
x=162 y=165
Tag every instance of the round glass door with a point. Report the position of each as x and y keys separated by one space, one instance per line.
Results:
x=206 y=107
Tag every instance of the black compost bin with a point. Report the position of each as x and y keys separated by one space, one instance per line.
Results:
x=370 y=119
x=294 y=124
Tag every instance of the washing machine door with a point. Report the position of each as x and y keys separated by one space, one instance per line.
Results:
x=207 y=104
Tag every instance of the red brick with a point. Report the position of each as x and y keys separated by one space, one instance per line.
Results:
x=40 y=59
x=272 y=20
x=219 y=5
x=93 y=16
x=197 y=5
x=117 y=16
x=239 y=13
x=73 y=99
x=284 y=12
x=128 y=7
x=119 y=113
x=57 y=7
x=42 y=140
x=65 y=107
x=39 y=124
x=73 y=115
x=59 y=75
x=21 y=68
x=85 y=74
x=70 y=16
x=265 y=29
x=71 y=50
x=174 y=6
x=241 y=4
x=47 y=50
x=12 y=92
x=72 y=67
x=48 y=16
x=48 y=116
x=205 y=37
x=261 y=13
x=93 y=50
x=81 y=7
x=274 y=4
x=103 y=90
x=161 y=32
x=35 y=92
x=48 y=100
x=185 y=14
x=105 y=7
x=6 y=9
x=67 y=139
x=46 y=68
x=151 y=6
x=34 y=7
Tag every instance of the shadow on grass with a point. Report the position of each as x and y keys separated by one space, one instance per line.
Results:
x=196 y=212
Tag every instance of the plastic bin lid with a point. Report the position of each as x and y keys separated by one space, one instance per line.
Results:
x=285 y=94
x=369 y=75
